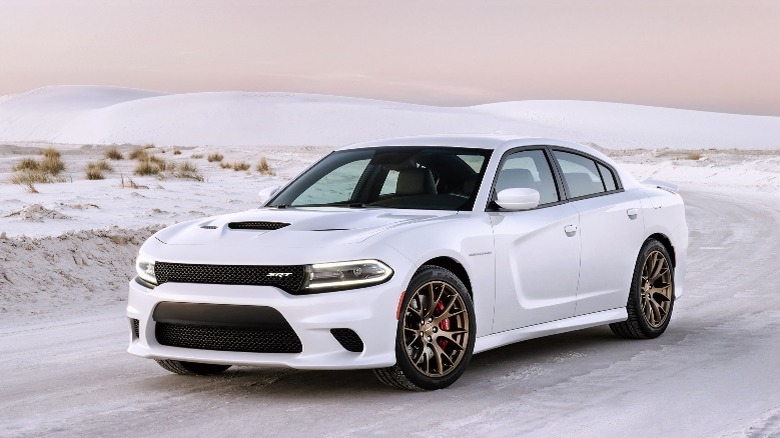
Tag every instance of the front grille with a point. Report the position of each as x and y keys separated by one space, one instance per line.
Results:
x=224 y=327
x=243 y=339
x=287 y=278
x=348 y=339
x=136 y=330
x=257 y=225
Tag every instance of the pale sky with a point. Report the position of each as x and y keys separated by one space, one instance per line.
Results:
x=715 y=55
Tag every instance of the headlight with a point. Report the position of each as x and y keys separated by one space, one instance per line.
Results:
x=346 y=275
x=144 y=266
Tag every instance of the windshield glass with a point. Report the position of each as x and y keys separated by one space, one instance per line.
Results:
x=432 y=178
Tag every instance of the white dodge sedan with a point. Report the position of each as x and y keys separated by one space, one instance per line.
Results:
x=409 y=255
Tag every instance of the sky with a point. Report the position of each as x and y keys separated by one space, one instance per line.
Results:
x=714 y=55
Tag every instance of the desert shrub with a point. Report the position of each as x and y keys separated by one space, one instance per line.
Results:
x=226 y=165
x=188 y=170
x=146 y=167
x=52 y=163
x=165 y=166
x=94 y=170
x=99 y=166
x=264 y=168
x=241 y=165
x=29 y=177
x=113 y=154
x=176 y=151
x=50 y=153
x=694 y=156
x=27 y=164
x=196 y=156
x=216 y=156
x=149 y=146
x=138 y=154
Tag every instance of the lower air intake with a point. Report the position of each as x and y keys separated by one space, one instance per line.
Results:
x=136 y=329
x=348 y=339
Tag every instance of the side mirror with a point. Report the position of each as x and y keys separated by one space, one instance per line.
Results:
x=267 y=192
x=518 y=199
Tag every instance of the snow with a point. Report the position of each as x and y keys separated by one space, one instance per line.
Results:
x=66 y=254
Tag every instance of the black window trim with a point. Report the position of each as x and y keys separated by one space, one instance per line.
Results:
x=560 y=184
x=618 y=182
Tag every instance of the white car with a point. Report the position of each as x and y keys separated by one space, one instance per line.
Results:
x=409 y=255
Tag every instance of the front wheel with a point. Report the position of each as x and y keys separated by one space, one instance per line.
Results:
x=436 y=332
x=191 y=368
x=651 y=299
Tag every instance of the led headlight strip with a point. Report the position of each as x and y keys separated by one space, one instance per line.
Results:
x=350 y=274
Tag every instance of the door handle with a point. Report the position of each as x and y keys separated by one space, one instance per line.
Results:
x=570 y=230
x=632 y=213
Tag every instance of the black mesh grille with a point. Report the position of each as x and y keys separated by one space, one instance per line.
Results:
x=257 y=225
x=136 y=330
x=348 y=339
x=288 y=278
x=243 y=339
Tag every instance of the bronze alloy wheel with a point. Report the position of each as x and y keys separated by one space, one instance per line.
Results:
x=656 y=289
x=436 y=329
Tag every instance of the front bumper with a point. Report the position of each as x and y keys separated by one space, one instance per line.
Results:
x=370 y=312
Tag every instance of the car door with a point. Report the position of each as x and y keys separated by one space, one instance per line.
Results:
x=537 y=252
x=611 y=231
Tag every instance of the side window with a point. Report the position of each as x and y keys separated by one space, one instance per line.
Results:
x=608 y=177
x=528 y=169
x=581 y=174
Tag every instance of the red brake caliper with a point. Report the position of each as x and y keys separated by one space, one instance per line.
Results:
x=444 y=325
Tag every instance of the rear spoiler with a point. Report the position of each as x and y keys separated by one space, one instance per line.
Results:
x=663 y=185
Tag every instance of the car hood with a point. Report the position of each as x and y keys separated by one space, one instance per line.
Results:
x=308 y=227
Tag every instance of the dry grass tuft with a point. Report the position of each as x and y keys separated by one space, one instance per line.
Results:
x=264 y=168
x=147 y=167
x=138 y=154
x=29 y=177
x=149 y=146
x=52 y=163
x=197 y=156
x=188 y=170
x=176 y=151
x=94 y=170
x=50 y=153
x=27 y=164
x=113 y=154
x=216 y=156
x=694 y=156
x=241 y=165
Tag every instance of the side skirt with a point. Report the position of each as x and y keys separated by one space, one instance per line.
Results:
x=496 y=340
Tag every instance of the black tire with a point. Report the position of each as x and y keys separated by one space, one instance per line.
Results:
x=641 y=323
x=191 y=368
x=405 y=374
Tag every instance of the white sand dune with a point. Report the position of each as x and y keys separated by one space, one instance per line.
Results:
x=109 y=115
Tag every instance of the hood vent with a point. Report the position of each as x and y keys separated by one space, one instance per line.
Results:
x=257 y=225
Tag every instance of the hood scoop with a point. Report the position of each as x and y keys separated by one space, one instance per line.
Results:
x=257 y=225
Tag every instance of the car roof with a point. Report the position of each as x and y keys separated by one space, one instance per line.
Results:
x=497 y=142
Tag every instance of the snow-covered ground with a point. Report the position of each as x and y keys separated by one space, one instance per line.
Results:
x=66 y=254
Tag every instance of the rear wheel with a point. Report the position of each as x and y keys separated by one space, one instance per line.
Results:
x=651 y=299
x=191 y=368
x=436 y=332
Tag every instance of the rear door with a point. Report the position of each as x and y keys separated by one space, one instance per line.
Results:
x=611 y=231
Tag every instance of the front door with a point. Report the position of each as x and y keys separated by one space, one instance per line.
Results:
x=537 y=251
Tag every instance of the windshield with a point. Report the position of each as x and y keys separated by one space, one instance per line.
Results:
x=431 y=178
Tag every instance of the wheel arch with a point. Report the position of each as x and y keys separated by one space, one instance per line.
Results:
x=453 y=266
x=667 y=243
